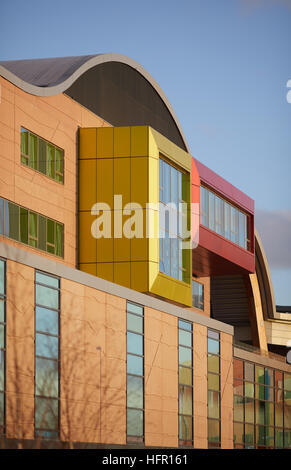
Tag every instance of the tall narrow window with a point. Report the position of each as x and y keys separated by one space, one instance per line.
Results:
x=135 y=373
x=172 y=221
x=214 y=397
x=197 y=295
x=47 y=310
x=185 y=345
x=2 y=344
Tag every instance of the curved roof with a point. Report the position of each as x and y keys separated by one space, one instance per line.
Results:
x=48 y=77
x=264 y=279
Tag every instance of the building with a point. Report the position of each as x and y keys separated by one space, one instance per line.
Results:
x=118 y=328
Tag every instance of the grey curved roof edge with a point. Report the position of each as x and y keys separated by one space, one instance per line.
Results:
x=268 y=278
x=92 y=61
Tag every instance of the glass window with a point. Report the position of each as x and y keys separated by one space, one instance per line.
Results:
x=197 y=295
x=134 y=343
x=23 y=225
x=42 y=156
x=30 y=228
x=33 y=151
x=135 y=372
x=46 y=413
x=46 y=346
x=134 y=365
x=134 y=392
x=213 y=404
x=134 y=323
x=46 y=321
x=46 y=377
x=185 y=429
x=47 y=297
x=213 y=432
x=172 y=222
x=33 y=229
x=46 y=354
x=223 y=218
x=185 y=338
x=134 y=422
x=185 y=356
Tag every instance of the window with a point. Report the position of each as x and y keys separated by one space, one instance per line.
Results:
x=31 y=228
x=47 y=311
x=223 y=218
x=173 y=221
x=135 y=373
x=260 y=415
x=42 y=155
x=2 y=343
x=214 y=398
x=197 y=295
x=185 y=392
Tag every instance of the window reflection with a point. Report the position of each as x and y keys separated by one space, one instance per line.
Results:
x=223 y=218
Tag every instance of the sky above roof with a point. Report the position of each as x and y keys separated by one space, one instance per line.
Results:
x=224 y=66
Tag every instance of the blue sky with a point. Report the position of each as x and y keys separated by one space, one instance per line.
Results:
x=224 y=66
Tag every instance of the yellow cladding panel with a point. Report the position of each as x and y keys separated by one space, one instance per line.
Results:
x=139 y=243
x=122 y=179
x=139 y=180
x=105 y=271
x=172 y=151
x=87 y=138
x=139 y=276
x=105 y=181
x=121 y=141
x=139 y=141
x=122 y=248
x=153 y=150
x=172 y=289
x=153 y=235
x=89 y=268
x=105 y=142
x=153 y=273
x=87 y=243
x=153 y=180
x=122 y=274
x=105 y=251
x=87 y=184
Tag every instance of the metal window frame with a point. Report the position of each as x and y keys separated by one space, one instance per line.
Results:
x=47 y=142
x=38 y=431
x=210 y=443
x=38 y=215
x=132 y=439
x=182 y=442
